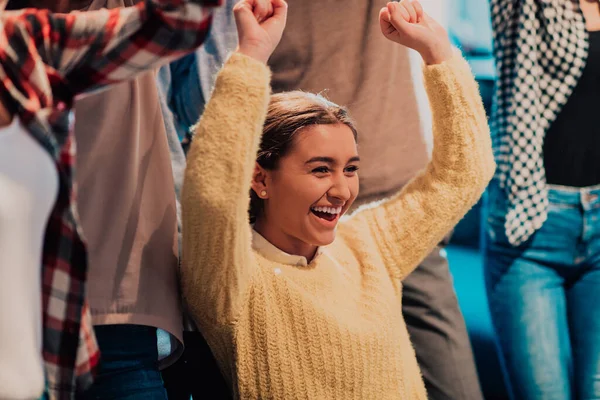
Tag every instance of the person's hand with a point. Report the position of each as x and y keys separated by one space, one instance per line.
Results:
x=406 y=23
x=260 y=25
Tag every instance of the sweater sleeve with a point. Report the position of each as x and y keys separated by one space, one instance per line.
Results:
x=408 y=226
x=217 y=258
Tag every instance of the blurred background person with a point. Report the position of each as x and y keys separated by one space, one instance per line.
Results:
x=128 y=217
x=542 y=247
x=46 y=60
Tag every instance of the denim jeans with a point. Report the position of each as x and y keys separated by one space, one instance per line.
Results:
x=544 y=297
x=128 y=364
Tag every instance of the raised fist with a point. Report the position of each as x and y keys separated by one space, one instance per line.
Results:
x=260 y=25
x=406 y=23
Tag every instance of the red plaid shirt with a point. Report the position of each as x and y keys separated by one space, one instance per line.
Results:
x=45 y=60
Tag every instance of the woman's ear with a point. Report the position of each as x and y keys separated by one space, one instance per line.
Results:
x=259 y=182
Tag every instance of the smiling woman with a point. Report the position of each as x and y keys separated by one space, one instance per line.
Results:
x=305 y=304
x=305 y=175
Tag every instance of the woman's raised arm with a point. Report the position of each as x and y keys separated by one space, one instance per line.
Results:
x=411 y=223
x=217 y=255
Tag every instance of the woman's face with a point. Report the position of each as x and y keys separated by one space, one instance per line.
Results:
x=313 y=186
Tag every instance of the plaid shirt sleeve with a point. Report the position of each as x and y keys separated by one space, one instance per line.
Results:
x=95 y=48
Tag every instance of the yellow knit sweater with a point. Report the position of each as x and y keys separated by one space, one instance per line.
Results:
x=332 y=329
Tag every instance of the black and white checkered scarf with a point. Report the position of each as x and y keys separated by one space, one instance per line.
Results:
x=541 y=47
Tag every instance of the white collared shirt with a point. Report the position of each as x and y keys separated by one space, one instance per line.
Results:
x=269 y=250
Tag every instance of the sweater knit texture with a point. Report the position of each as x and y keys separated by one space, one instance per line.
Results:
x=331 y=329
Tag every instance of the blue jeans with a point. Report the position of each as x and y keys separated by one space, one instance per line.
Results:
x=128 y=364
x=544 y=297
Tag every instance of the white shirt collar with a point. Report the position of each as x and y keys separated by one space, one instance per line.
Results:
x=270 y=251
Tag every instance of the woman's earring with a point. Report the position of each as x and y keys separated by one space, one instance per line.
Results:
x=263 y=193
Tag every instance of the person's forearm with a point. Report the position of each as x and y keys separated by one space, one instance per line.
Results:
x=116 y=45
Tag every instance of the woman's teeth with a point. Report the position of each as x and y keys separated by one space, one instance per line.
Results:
x=329 y=210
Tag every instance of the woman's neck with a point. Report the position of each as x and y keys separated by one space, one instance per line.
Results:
x=285 y=242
